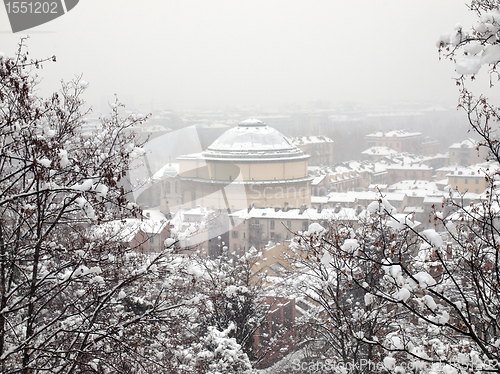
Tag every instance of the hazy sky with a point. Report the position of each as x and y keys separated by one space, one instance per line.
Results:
x=208 y=53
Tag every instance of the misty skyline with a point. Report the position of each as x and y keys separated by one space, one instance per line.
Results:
x=197 y=54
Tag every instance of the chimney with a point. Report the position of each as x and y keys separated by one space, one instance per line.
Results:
x=302 y=208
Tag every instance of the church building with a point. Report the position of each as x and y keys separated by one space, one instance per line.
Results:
x=251 y=164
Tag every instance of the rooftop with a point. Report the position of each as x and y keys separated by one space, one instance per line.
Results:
x=252 y=138
x=393 y=133
x=467 y=143
x=301 y=140
x=309 y=213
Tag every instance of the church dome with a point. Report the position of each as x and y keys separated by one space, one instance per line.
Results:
x=252 y=138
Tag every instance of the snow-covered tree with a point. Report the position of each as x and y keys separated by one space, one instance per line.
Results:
x=73 y=298
x=472 y=50
x=421 y=304
x=342 y=323
x=233 y=297
x=436 y=295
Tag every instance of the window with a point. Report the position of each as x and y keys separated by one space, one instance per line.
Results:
x=271 y=234
x=264 y=331
x=276 y=319
x=230 y=177
x=244 y=235
x=466 y=181
x=288 y=315
x=289 y=224
x=272 y=225
x=256 y=222
x=234 y=234
x=477 y=180
x=305 y=225
x=167 y=187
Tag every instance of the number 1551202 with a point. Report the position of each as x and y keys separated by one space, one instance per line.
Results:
x=37 y=7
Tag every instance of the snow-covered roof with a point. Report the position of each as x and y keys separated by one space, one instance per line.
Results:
x=434 y=199
x=126 y=230
x=479 y=170
x=413 y=209
x=379 y=151
x=252 y=139
x=421 y=167
x=448 y=169
x=467 y=143
x=342 y=197
x=317 y=180
x=414 y=185
x=371 y=195
x=290 y=214
x=377 y=186
x=311 y=139
x=319 y=199
x=393 y=133
x=170 y=170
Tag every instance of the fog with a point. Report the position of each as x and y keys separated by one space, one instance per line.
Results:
x=219 y=54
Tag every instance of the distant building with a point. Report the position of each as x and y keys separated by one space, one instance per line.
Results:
x=397 y=173
x=430 y=147
x=320 y=185
x=398 y=140
x=377 y=153
x=258 y=226
x=343 y=179
x=200 y=229
x=144 y=235
x=250 y=164
x=360 y=200
x=169 y=180
x=470 y=179
x=467 y=153
x=163 y=190
x=320 y=148
x=442 y=173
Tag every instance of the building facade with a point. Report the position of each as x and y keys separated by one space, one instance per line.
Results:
x=250 y=164
x=398 y=173
x=320 y=148
x=398 y=140
x=467 y=153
